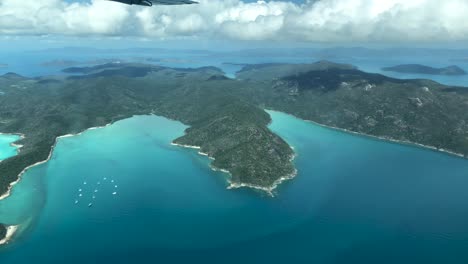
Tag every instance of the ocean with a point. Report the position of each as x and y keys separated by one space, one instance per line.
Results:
x=354 y=200
x=38 y=63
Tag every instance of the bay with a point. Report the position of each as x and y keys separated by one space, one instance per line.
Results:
x=354 y=200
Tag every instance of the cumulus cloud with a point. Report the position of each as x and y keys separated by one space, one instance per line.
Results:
x=319 y=20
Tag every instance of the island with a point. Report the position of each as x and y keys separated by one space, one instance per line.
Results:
x=231 y=130
x=59 y=63
x=422 y=69
x=226 y=117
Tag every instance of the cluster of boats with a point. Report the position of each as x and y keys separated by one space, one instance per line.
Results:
x=96 y=190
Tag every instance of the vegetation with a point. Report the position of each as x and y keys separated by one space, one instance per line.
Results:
x=224 y=125
x=3 y=231
x=417 y=111
x=225 y=115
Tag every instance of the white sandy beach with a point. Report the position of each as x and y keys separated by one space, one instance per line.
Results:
x=11 y=230
x=8 y=192
x=233 y=185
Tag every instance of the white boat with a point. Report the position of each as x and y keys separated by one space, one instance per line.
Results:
x=114 y=193
x=76 y=201
x=95 y=191
x=90 y=204
x=80 y=195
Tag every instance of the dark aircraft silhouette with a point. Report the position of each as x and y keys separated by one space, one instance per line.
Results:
x=156 y=2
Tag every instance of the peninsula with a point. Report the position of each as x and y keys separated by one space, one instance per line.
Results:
x=226 y=116
x=421 y=69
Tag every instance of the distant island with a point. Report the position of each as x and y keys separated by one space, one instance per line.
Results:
x=460 y=59
x=3 y=65
x=226 y=116
x=68 y=63
x=59 y=63
x=422 y=69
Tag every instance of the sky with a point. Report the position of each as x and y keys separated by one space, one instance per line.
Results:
x=319 y=21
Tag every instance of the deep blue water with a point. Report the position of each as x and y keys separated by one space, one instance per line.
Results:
x=355 y=200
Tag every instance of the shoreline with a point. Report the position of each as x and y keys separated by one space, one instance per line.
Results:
x=18 y=146
x=13 y=144
x=232 y=185
x=269 y=190
x=380 y=138
x=392 y=140
x=11 y=231
x=12 y=184
x=18 y=149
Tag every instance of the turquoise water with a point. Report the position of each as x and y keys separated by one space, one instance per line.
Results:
x=6 y=149
x=355 y=200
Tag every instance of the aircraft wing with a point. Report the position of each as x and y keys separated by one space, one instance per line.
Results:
x=173 y=2
x=156 y=2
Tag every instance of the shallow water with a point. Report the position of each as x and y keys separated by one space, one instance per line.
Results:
x=6 y=149
x=355 y=200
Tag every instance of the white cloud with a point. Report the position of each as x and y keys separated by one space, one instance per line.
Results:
x=325 y=20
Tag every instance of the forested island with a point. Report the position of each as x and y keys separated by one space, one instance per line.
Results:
x=226 y=116
x=422 y=69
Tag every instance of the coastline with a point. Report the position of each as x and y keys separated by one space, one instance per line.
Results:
x=11 y=230
x=382 y=138
x=12 y=184
x=18 y=146
x=232 y=185
x=269 y=190
x=392 y=140
x=13 y=144
x=18 y=149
